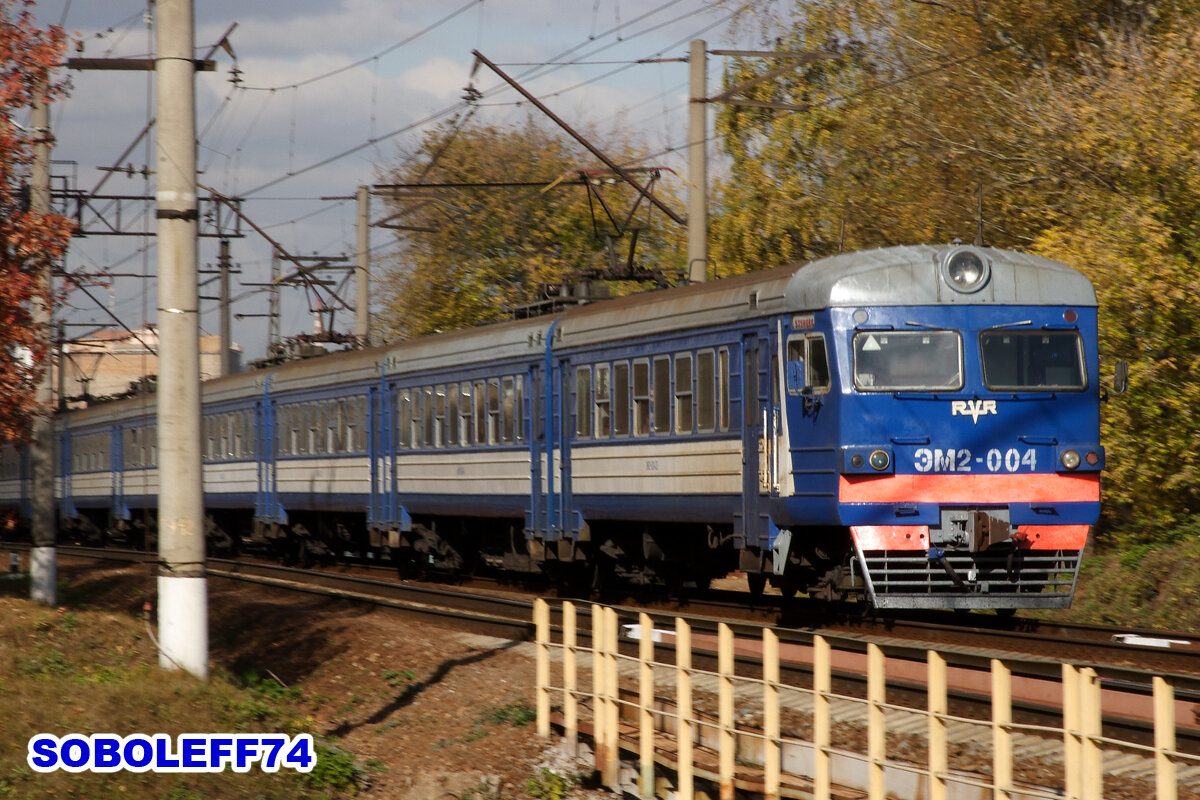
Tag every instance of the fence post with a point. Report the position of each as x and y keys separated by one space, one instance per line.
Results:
x=570 y=678
x=612 y=725
x=541 y=624
x=1002 y=740
x=822 y=721
x=1164 y=739
x=1090 y=713
x=939 y=761
x=727 y=740
x=684 y=726
x=1072 y=746
x=599 y=701
x=646 y=704
x=876 y=722
x=771 y=733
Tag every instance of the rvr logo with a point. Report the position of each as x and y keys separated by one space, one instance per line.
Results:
x=972 y=408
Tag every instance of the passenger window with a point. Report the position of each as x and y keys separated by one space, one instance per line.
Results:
x=480 y=412
x=583 y=402
x=466 y=415
x=439 y=416
x=508 y=409
x=706 y=400
x=493 y=388
x=603 y=402
x=683 y=393
x=621 y=399
x=427 y=439
x=641 y=397
x=723 y=387
x=451 y=421
x=662 y=394
x=519 y=408
x=403 y=419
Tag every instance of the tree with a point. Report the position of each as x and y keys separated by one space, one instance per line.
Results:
x=471 y=252
x=27 y=241
x=1079 y=122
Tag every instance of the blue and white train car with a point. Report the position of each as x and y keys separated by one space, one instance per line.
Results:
x=914 y=426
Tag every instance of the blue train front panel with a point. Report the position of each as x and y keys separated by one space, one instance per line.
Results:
x=957 y=441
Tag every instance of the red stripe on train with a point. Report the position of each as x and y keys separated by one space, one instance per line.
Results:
x=974 y=489
x=916 y=537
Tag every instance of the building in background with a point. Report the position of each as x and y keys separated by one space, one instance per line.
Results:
x=113 y=363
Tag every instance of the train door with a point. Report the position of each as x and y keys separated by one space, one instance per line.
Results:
x=267 y=509
x=759 y=433
x=116 y=464
x=550 y=515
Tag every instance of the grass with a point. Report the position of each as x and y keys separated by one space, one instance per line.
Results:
x=1144 y=586
x=77 y=670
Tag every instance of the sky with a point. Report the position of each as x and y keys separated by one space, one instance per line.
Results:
x=332 y=92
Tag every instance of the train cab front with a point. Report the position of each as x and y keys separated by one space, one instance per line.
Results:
x=974 y=477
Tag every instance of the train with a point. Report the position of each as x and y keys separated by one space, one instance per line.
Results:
x=909 y=427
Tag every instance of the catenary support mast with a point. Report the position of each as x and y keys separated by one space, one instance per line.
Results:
x=182 y=588
x=43 y=571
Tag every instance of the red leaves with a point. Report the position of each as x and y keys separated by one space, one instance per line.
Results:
x=28 y=242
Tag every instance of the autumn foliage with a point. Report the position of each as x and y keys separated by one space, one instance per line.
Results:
x=469 y=254
x=1080 y=122
x=27 y=241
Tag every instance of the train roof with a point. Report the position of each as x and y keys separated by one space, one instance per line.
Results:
x=890 y=276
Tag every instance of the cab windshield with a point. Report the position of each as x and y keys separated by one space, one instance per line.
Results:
x=913 y=361
x=1037 y=360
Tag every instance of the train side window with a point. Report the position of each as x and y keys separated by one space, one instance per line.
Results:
x=583 y=402
x=360 y=424
x=493 y=409
x=641 y=397
x=661 y=388
x=508 y=401
x=294 y=429
x=519 y=408
x=439 y=416
x=427 y=439
x=238 y=421
x=621 y=398
x=403 y=417
x=312 y=413
x=480 y=412
x=466 y=415
x=723 y=399
x=683 y=393
x=817 y=365
x=706 y=398
x=807 y=364
x=452 y=415
x=603 y=402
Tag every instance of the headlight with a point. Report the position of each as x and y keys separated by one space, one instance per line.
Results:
x=1069 y=459
x=966 y=269
x=880 y=460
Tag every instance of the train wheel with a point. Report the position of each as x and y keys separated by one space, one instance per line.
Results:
x=757 y=581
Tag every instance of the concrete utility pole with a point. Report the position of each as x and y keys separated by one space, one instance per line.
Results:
x=182 y=586
x=698 y=164
x=362 y=277
x=43 y=570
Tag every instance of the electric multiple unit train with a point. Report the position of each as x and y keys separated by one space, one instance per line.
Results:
x=911 y=427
